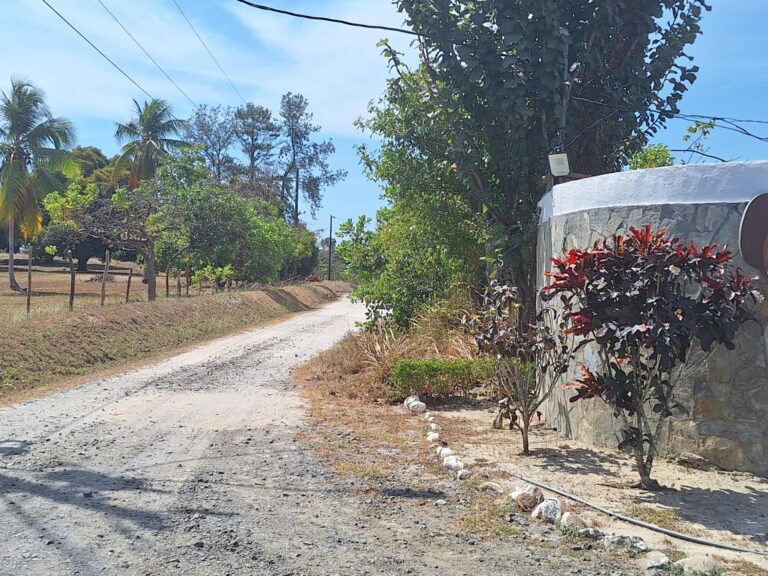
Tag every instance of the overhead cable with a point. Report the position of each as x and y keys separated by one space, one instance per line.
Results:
x=107 y=58
x=148 y=55
x=326 y=19
x=215 y=61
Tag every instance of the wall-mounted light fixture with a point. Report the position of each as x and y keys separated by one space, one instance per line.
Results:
x=558 y=164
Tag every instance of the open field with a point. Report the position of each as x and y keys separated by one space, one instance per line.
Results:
x=50 y=287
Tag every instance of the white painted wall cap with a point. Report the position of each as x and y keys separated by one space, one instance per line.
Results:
x=722 y=183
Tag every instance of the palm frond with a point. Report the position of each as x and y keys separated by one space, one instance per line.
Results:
x=30 y=216
x=14 y=179
x=127 y=132
x=56 y=132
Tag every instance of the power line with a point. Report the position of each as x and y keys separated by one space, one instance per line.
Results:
x=209 y=51
x=131 y=36
x=325 y=19
x=107 y=58
x=731 y=124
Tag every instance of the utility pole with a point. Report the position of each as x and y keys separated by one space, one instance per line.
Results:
x=330 y=247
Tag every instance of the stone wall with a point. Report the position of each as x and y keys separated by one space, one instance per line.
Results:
x=727 y=392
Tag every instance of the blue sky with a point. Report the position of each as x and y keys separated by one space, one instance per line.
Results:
x=337 y=68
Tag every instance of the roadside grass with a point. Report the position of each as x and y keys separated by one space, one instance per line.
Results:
x=674 y=554
x=362 y=436
x=747 y=568
x=487 y=517
x=39 y=354
x=663 y=517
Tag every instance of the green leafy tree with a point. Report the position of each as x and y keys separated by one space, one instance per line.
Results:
x=429 y=238
x=518 y=79
x=653 y=156
x=399 y=268
x=212 y=129
x=152 y=132
x=32 y=148
x=304 y=167
x=91 y=159
x=256 y=133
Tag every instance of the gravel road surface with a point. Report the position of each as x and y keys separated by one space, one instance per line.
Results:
x=194 y=466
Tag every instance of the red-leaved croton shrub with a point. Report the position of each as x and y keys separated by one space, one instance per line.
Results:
x=646 y=303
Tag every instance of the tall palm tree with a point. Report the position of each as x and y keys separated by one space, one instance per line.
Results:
x=32 y=146
x=147 y=136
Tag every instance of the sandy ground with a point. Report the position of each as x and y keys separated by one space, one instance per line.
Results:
x=727 y=507
x=196 y=466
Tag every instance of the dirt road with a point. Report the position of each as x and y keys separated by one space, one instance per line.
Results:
x=194 y=466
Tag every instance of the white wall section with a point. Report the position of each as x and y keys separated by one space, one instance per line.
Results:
x=729 y=182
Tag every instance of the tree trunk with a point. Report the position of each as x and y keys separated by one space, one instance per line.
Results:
x=643 y=466
x=82 y=264
x=104 y=275
x=167 y=281
x=11 y=241
x=524 y=425
x=29 y=282
x=71 y=280
x=128 y=286
x=150 y=273
x=296 y=200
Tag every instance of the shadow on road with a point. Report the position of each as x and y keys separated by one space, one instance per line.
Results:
x=14 y=447
x=85 y=489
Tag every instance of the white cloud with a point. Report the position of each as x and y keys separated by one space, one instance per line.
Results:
x=338 y=69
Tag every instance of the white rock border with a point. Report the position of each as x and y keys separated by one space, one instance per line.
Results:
x=447 y=457
x=554 y=515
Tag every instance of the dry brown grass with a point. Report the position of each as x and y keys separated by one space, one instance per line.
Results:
x=50 y=288
x=664 y=517
x=361 y=436
x=352 y=428
x=41 y=353
x=743 y=567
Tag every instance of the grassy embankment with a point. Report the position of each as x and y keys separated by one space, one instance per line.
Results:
x=54 y=347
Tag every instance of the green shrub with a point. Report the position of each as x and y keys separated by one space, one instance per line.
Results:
x=439 y=377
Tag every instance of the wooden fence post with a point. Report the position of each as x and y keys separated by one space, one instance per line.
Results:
x=178 y=284
x=187 y=281
x=71 y=280
x=104 y=277
x=167 y=281
x=29 y=279
x=128 y=287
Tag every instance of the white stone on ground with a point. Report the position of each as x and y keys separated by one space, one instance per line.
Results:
x=413 y=404
x=527 y=497
x=453 y=463
x=492 y=487
x=695 y=564
x=549 y=511
x=572 y=520
x=634 y=542
x=652 y=560
x=463 y=474
x=433 y=436
x=434 y=427
x=443 y=451
x=417 y=407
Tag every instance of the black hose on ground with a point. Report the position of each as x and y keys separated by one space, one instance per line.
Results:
x=636 y=522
